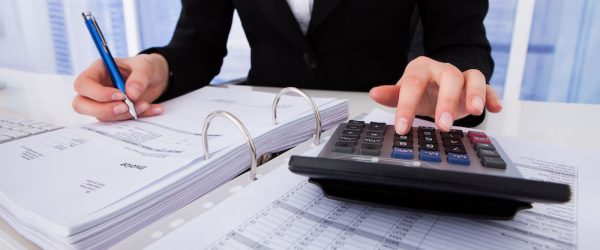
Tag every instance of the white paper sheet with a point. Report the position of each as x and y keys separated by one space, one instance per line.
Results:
x=283 y=210
x=188 y=112
x=91 y=167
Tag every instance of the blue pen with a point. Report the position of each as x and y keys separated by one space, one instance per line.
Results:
x=107 y=58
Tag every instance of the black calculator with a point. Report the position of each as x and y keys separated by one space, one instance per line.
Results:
x=455 y=172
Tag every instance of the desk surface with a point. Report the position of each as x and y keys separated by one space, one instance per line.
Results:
x=48 y=98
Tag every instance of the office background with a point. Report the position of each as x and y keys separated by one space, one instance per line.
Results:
x=562 y=45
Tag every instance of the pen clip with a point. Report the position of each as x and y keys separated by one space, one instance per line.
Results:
x=88 y=16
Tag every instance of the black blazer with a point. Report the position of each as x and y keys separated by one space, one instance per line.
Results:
x=350 y=44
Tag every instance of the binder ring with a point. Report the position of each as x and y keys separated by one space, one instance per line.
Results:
x=241 y=126
x=309 y=100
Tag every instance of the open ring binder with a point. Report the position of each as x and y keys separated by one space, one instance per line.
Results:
x=241 y=126
x=309 y=100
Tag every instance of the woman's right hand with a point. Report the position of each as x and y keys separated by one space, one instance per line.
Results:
x=146 y=78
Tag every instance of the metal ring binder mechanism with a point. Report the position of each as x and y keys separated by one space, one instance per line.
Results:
x=241 y=126
x=309 y=100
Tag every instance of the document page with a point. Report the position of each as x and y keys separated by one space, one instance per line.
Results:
x=253 y=108
x=92 y=166
x=284 y=210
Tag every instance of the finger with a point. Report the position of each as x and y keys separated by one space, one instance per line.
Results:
x=386 y=95
x=89 y=87
x=412 y=86
x=97 y=72
x=153 y=110
x=475 y=85
x=493 y=102
x=110 y=111
x=451 y=82
x=138 y=80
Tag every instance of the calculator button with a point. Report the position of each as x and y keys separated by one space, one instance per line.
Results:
x=493 y=162
x=487 y=152
x=370 y=149
x=403 y=137
x=402 y=153
x=424 y=128
x=426 y=133
x=374 y=134
x=359 y=123
x=457 y=131
x=347 y=138
x=351 y=132
x=456 y=150
x=426 y=155
x=354 y=127
x=450 y=135
x=477 y=139
x=485 y=146
x=373 y=140
x=429 y=146
x=449 y=143
x=376 y=126
x=403 y=144
x=427 y=139
x=343 y=147
x=459 y=159
x=476 y=134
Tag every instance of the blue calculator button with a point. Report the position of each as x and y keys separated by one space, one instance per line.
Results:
x=402 y=153
x=459 y=159
x=426 y=155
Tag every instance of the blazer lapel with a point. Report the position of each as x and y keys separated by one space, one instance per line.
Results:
x=281 y=16
x=321 y=9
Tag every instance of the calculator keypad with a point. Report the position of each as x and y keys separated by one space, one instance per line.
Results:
x=425 y=144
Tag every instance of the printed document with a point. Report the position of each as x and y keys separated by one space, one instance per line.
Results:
x=63 y=176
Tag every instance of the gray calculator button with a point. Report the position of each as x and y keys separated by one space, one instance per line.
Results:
x=370 y=149
x=348 y=138
x=343 y=147
x=374 y=134
x=351 y=132
x=493 y=162
x=376 y=127
x=487 y=152
x=484 y=146
x=373 y=140
x=359 y=123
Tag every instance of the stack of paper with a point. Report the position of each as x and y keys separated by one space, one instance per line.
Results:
x=91 y=186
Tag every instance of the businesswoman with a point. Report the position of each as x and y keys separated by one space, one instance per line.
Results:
x=353 y=45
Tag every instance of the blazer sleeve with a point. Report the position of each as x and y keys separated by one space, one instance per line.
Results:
x=453 y=32
x=199 y=44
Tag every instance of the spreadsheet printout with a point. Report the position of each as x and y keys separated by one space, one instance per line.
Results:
x=297 y=215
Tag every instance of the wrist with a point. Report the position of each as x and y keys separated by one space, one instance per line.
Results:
x=162 y=73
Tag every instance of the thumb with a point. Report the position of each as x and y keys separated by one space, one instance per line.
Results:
x=136 y=84
x=386 y=95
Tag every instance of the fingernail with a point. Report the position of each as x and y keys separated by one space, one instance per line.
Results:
x=401 y=125
x=477 y=103
x=157 y=110
x=446 y=120
x=134 y=90
x=118 y=96
x=142 y=107
x=120 y=109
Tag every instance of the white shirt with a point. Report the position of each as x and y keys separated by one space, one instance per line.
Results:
x=302 y=10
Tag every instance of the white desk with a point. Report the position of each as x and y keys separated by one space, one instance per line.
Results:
x=48 y=98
